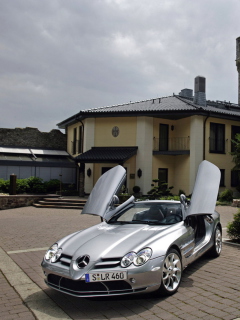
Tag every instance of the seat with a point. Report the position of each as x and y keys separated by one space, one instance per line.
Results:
x=154 y=213
x=170 y=212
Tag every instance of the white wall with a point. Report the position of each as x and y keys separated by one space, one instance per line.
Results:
x=196 y=147
x=89 y=132
x=144 y=141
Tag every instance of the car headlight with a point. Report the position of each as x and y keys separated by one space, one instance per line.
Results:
x=142 y=257
x=53 y=253
x=128 y=259
x=138 y=259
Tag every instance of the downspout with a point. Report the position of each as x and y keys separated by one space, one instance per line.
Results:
x=83 y=133
x=204 y=136
x=82 y=170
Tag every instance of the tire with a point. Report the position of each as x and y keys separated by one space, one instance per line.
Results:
x=216 y=249
x=171 y=273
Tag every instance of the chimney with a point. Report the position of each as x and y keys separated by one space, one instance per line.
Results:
x=200 y=91
x=238 y=65
x=186 y=93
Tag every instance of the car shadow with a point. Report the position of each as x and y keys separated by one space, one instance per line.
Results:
x=117 y=306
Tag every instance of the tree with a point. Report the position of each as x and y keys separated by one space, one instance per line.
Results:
x=236 y=158
x=159 y=189
x=236 y=152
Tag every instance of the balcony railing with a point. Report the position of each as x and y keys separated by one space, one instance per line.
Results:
x=172 y=144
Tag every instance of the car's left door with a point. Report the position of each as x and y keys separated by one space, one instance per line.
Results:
x=187 y=240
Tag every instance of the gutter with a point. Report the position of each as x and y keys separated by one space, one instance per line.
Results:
x=204 y=136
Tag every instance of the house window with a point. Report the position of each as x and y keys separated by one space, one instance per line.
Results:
x=235 y=130
x=235 y=181
x=80 y=140
x=162 y=176
x=74 y=149
x=217 y=137
x=222 y=180
x=163 y=137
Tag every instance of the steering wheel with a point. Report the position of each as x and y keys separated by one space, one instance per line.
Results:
x=174 y=218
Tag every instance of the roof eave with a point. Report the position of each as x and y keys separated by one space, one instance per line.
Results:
x=71 y=120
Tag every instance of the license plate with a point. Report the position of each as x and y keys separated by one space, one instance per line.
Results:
x=105 y=276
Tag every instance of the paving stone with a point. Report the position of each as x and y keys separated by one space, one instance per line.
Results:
x=209 y=288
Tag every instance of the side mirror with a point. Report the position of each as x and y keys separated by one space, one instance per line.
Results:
x=115 y=201
x=183 y=199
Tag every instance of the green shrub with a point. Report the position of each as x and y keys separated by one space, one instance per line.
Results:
x=22 y=186
x=36 y=185
x=181 y=192
x=226 y=196
x=233 y=228
x=136 y=189
x=52 y=185
x=175 y=198
x=4 y=186
x=159 y=189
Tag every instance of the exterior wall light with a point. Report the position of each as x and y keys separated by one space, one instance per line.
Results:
x=139 y=173
x=172 y=127
x=89 y=172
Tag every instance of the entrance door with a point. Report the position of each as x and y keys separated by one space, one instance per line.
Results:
x=163 y=137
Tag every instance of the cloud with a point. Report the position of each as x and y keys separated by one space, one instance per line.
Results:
x=57 y=57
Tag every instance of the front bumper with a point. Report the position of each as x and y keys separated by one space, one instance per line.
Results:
x=146 y=278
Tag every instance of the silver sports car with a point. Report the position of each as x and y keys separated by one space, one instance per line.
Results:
x=140 y=246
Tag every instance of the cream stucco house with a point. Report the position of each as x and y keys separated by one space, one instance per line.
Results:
x=163 y=138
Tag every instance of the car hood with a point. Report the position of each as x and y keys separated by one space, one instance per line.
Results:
x=101 y=200
x=108 y=240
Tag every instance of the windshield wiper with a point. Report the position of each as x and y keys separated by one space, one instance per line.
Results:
x=120 y=222
x=138 y=222
x=149 y=222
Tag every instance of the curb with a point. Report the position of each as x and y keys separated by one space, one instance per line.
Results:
x=227 y=241
x=33 y=297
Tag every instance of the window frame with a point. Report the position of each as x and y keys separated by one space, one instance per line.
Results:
x=163 y=137
x=222 y=179
x=216 y=143
x=74 y=150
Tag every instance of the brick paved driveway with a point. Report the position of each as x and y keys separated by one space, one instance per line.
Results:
x=209 y=289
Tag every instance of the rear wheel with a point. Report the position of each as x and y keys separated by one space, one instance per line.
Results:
x=216 y=249
x=171 y=273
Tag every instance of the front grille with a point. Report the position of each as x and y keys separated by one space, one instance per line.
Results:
x=65 y=260
x=81 y=288
x=108 y=263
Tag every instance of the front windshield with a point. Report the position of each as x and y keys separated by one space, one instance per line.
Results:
x=149 y=213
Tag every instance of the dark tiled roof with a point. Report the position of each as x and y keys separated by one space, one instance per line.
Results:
x=107 y=154
x=220 y=107
x=159 y=104
x=166 y=106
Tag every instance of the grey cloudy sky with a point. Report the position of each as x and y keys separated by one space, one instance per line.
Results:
x=60 y=56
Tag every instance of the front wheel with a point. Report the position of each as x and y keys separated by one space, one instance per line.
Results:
x=216 y=249
x=171 y=273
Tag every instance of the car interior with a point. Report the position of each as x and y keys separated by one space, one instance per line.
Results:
x=198 y=225
x=163 y=214
x=160 y=213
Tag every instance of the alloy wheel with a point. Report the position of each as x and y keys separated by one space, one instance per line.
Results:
x=172 y=272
